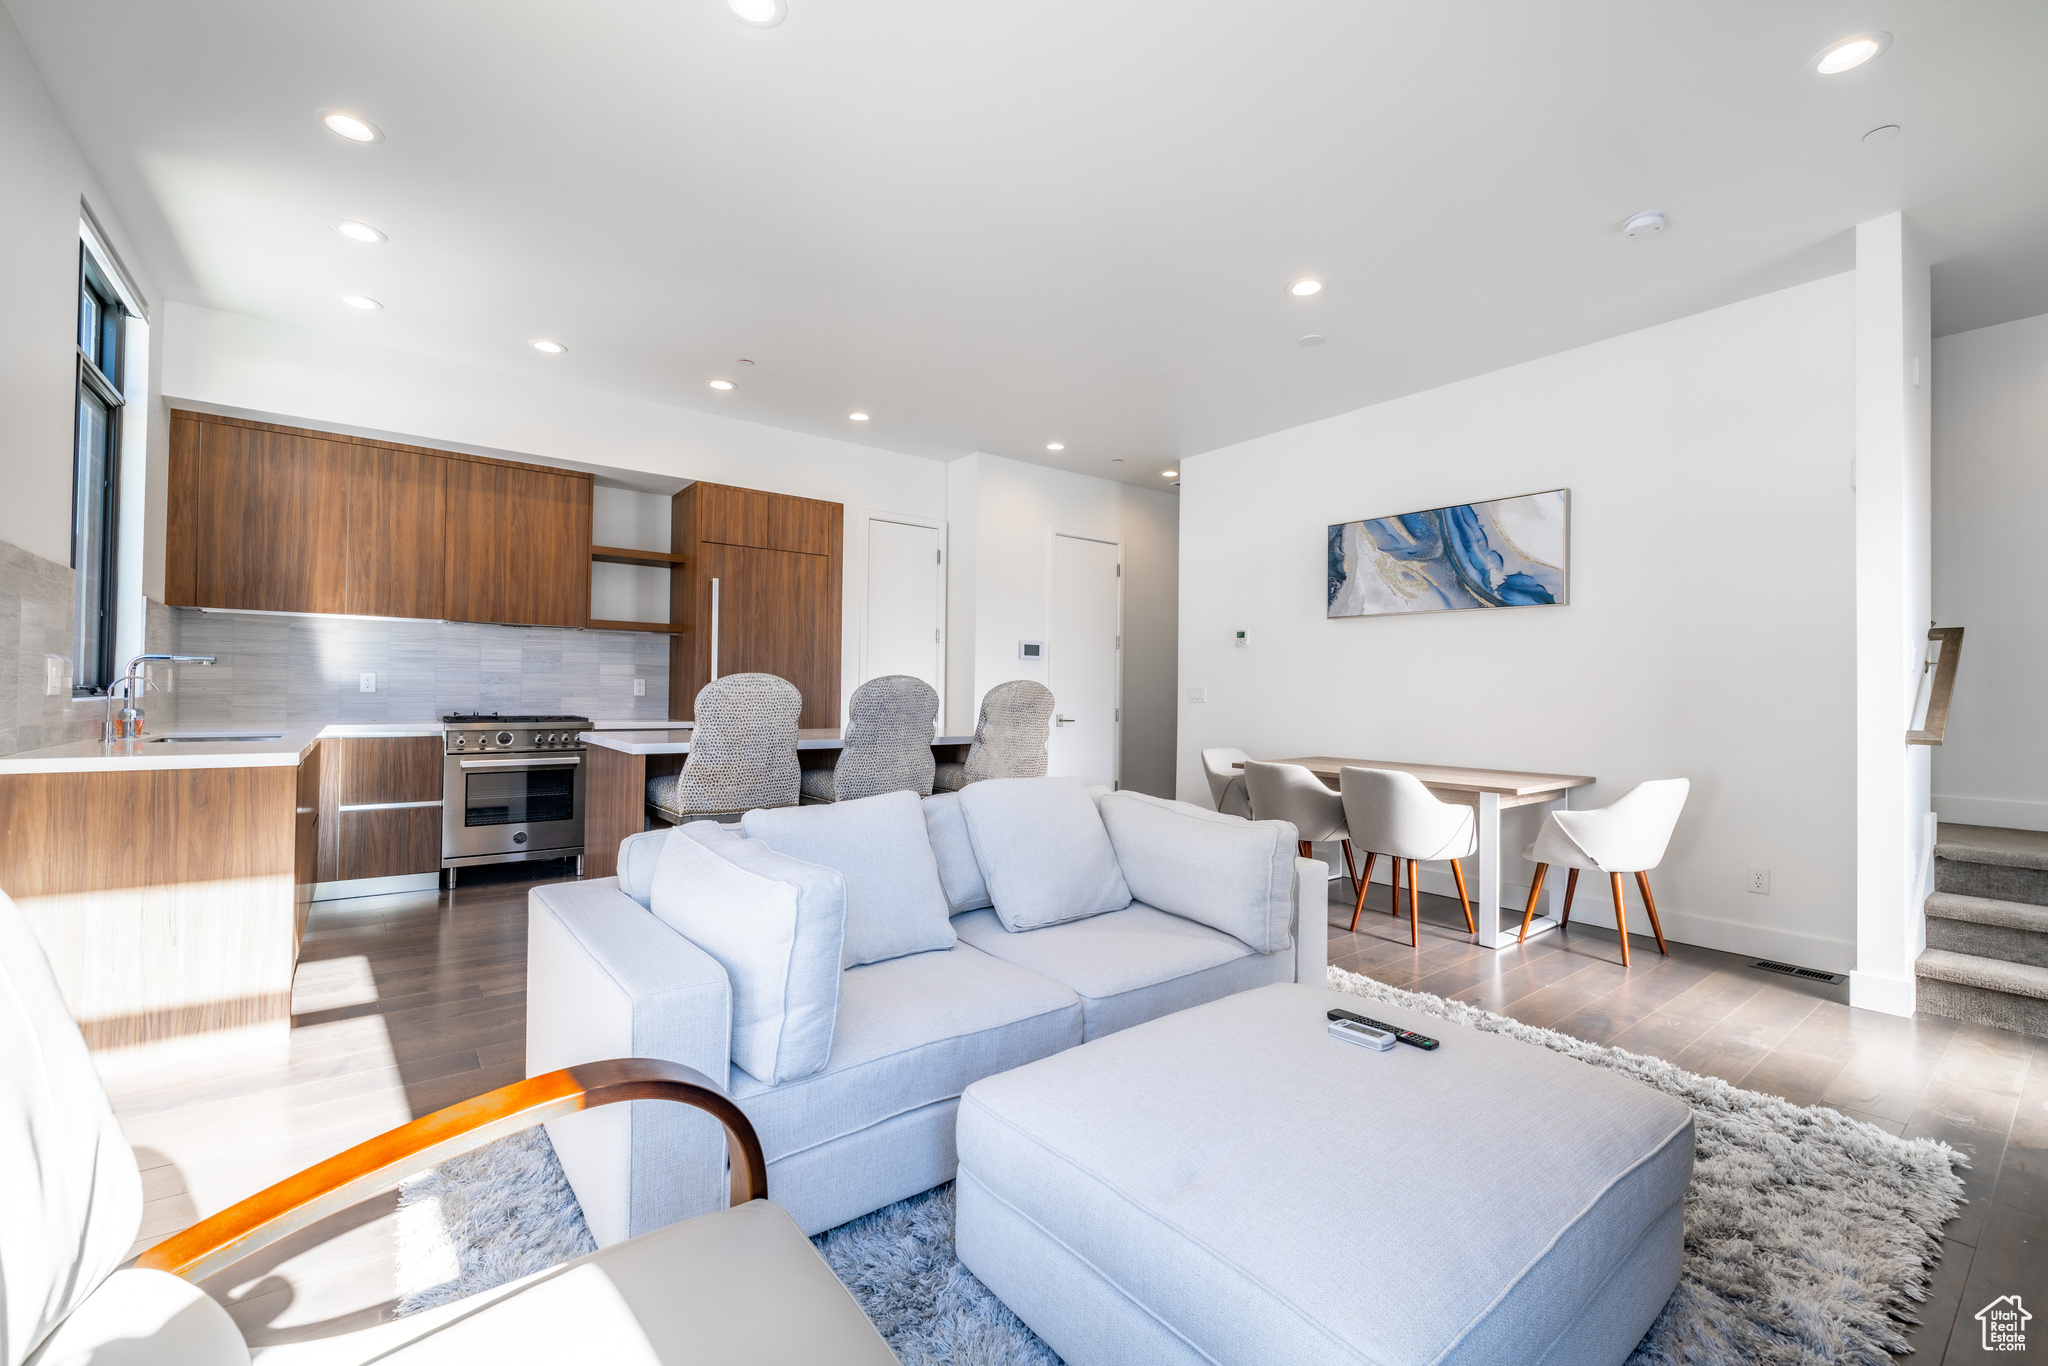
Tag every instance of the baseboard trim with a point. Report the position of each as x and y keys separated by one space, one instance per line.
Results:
x=1891 y=995
x=2010 y=813
x=376 y=886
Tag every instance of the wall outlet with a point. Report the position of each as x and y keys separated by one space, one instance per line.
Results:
x=56 y=675
x=368 y=683
x=1198 y=694
x=639 y=687
x=1759 y=881
x=1243 y=640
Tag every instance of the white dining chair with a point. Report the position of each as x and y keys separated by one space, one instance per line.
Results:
x=1226 y=781
x=1289 y=792
x=1628 y=835
x=1390 y=812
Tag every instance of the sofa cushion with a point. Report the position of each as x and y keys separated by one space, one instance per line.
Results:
x=912 y=1031
x=774 y=923
x=1201 y=1163
x=1043 y=851
x=1131 y=965
x=1230 y=874
x=959 y=874
x=638 y=854
x=894 y=903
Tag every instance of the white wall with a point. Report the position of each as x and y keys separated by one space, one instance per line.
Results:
x=245 y=366
x=1893 y=842
x=1990 y=511
x=1004 y=514
x=1710 y=632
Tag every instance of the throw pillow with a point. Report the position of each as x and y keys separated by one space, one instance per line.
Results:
x=895 y=904
x=1225 y=872
x=959 y=874
x=775 y=924
x=1042 y=850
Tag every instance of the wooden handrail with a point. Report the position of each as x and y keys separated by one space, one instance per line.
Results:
x=389 y=1158
x=1936 y=728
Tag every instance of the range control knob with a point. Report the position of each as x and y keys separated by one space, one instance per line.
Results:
x=504 y=737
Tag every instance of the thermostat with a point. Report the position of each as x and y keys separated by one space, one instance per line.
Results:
x=1031 y=649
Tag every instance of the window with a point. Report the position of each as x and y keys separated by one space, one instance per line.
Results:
x=95 y=475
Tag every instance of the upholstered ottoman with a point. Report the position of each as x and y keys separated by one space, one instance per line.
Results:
x=1230 y=1184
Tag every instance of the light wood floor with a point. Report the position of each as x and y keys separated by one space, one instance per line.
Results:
x=406 y=1004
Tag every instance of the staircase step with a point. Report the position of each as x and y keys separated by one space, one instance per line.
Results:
x=1987 y=928
x=1992 y=844
x=1985 y=991
x=1998 y=870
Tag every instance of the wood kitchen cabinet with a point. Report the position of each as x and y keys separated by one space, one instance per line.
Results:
x=518 y=544
x=380 y=807
x=278 y=519
x=777 y=563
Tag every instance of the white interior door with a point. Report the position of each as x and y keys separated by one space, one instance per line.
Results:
x=906 y=600
x=1087 y=689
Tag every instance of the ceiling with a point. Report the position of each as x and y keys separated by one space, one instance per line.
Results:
x=999 y=224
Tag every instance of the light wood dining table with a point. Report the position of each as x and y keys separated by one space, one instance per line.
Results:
x=1489 y=791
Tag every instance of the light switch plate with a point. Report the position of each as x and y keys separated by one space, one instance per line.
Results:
x=639 y=687
x=369 y=683
x=56 y=675
x=1198 y=694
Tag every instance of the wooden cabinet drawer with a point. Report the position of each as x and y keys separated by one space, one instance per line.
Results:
x=381 y=769
x=390 y=841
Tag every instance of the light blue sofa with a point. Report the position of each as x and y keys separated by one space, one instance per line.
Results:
x=607 y=977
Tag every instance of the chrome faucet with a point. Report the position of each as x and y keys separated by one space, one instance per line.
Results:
x=129 y=724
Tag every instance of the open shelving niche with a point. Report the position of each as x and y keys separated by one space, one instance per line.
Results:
x=638 y=559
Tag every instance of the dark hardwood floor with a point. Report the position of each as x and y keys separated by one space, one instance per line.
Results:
x=408 y=1003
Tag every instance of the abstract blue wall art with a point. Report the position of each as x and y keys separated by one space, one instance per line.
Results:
x=1510 y=552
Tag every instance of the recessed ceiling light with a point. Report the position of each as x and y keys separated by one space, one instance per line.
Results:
x=1644 y=223
x=1312 y=339
x=362 y=301
x=856 y=417
x=1117 y=461
x=1055 y=445
x=1169 y=474
x=1851 y=52
x=721 y=384
x=359 y=232
x=349 y=126
x=1305 y=286
x=546 y=347
x=759 y=13
x=1884 y=133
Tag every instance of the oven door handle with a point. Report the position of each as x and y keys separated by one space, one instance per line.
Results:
x=562 y=762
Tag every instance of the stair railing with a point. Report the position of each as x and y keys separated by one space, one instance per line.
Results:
x=1949 y=652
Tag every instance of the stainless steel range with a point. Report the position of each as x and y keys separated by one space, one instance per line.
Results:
x=511 y=789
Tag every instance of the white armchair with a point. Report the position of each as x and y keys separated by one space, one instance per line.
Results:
x=1627 y=836
x=1390 y=812
x=1289 y=792
x=739 y=1284
x=1226 y=782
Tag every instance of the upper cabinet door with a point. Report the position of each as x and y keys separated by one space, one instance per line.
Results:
x=766 y=521
x=518 y=545
x=397 y=533
x=271 y=530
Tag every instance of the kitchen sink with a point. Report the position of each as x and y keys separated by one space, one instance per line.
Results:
x=202 y=738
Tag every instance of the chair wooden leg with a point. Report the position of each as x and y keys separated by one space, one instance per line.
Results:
x=1529 y=911
x=1650 y=905
x=1307 y=850
x=1351 y=865
x=1414 y=910
x=1363 y=883
x=1464 y=901
x=1620 y=916
x=1394 y=877
x=1571 y=884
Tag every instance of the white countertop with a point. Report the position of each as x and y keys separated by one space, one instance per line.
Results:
x=652 y=740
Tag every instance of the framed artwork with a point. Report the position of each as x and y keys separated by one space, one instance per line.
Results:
x=1510 y=552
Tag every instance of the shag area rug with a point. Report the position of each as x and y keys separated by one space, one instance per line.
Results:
x=1809 y=1236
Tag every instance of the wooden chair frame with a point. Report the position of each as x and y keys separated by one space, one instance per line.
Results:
x=389 y=1158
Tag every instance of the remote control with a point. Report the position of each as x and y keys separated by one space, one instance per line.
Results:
x=1365 y=1036
x=1407 y=1036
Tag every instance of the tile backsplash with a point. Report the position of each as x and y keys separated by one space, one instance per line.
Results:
x=308 y=670
x=35 y=638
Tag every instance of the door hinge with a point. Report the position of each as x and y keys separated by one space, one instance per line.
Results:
x=1119 y=571
x=938 y=557
x=1119 y=642
x=935 y=634
x=1119 y=713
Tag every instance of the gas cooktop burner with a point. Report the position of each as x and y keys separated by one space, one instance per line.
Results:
x=459 y=718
